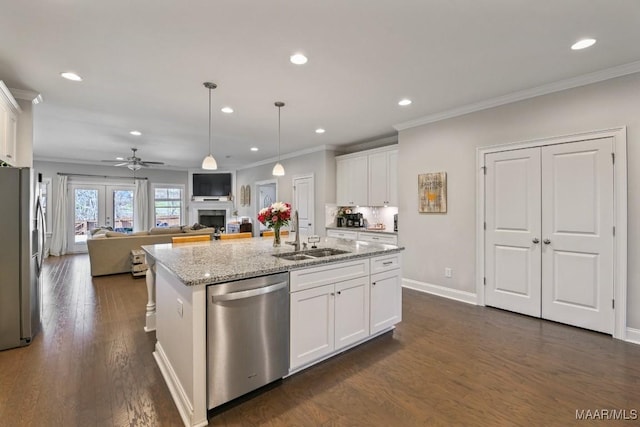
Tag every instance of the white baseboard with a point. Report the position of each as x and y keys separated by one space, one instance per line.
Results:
x=441 y=291
x=633 y=335
x=185 y=408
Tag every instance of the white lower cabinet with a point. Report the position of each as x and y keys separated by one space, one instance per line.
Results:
x=351 y=312
x=312 y=325
x=386 y=300
x=328 y=318
x=340 y=234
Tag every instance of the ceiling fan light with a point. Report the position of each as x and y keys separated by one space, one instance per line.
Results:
x=209 y=163
x=134 y=166
x=278 y=170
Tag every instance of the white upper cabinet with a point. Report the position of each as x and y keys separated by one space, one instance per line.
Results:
x=368 y=178
x=9 y=111
x=383 y=178
x=351 y=181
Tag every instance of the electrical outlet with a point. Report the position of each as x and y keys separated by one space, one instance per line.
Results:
x=180 y=307
x=448 y=272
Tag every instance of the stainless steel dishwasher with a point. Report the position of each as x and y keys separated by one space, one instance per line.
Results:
x=247 y=336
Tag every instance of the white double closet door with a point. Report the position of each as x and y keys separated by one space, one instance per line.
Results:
x=549 y=232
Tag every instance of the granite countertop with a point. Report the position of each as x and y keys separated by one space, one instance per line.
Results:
x=360 y=229
x=219 y=261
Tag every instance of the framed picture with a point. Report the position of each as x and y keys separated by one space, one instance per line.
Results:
x=247 y=195
x=242 y=196
x=432 y=192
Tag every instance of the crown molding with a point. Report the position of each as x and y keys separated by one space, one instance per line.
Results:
x=27 y=95
x=98 y=163
x=583 y=80
x=291 y=155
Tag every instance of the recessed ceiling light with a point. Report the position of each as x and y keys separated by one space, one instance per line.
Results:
x=404 y=102
x=583 y=44
x=119 y=158
x=298 y=59
x=71 y=76
x=254 y=148
x=227 y=110
x=320 y=130
x=135 y=132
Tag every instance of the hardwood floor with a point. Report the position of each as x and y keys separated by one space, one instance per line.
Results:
x=446 y=364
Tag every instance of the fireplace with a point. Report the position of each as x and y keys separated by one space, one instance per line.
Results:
x=212 y=217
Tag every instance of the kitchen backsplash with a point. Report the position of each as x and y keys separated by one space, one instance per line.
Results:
x=372 y=215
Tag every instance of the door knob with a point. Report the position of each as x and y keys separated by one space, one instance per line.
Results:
x=546 y=241
x=535 y=240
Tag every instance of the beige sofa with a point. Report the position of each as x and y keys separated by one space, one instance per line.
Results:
x=110 y=252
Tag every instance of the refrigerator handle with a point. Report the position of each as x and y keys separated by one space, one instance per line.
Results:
x=41 y=235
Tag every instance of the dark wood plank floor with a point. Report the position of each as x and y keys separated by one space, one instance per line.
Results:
x=446 y=364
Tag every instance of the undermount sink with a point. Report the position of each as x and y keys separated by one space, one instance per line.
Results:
x=293 y=256
x=310 y=254
x=322 y=252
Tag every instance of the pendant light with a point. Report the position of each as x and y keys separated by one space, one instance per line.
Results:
x=278 y=169
x=209 y=162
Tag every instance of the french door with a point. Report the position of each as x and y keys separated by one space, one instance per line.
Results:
x=96 y=205
x=549 y=232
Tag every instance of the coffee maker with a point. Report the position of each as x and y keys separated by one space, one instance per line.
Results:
x=354 y=220
x=340 y=221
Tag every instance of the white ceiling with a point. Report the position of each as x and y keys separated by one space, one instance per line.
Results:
x=144 y=62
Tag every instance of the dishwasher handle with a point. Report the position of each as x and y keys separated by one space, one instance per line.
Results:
x=249 y=293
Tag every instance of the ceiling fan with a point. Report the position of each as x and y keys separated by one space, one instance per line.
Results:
x=133 y=162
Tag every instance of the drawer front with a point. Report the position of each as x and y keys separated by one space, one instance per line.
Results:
x=385 y=263
x=339 y=234
x=389 y=239
x=327 y=273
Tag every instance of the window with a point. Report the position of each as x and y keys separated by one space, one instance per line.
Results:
x=167 y=205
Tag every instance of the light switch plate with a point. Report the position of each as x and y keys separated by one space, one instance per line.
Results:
x=180 y=307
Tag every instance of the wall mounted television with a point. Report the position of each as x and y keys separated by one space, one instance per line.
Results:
x=211 y=185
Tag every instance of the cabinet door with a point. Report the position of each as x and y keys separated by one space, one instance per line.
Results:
x=351 y=311
x=392 y=177
x=4 y=124
x=378 y=179
x=11 y=139
x=358 y=182
x=312 y=325
x=342 y=180
x=386 y=300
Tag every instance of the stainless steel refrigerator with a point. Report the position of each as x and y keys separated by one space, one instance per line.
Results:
x=21 y=249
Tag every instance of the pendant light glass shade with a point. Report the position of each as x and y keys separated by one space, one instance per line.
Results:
x=278 y=169
x=209 y=163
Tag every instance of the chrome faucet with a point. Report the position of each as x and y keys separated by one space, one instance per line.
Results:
x=296 y=229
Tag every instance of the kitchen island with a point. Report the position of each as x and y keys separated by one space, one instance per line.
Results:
x=337 y=301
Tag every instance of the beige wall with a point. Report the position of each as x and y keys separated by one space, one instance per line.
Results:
x=436 y=241
x=321 y=164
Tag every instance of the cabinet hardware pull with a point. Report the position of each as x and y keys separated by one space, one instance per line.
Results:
x=535 y=240
x=332 y=294
x=339 y=292
x=546 y=241
x=374 y=283
x=387 y=263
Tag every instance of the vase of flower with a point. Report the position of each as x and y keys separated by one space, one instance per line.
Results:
x=274 y=217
